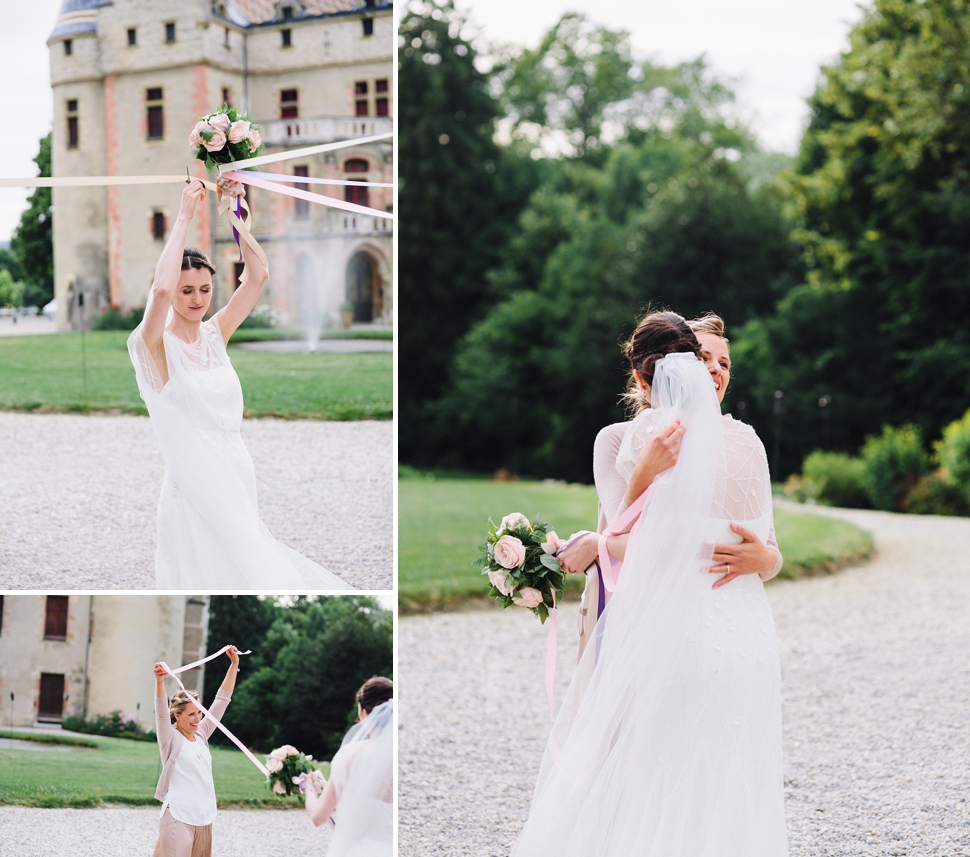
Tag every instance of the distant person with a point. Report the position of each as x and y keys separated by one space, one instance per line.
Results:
x=210 y=535
x=185 y=787
x=358 y=797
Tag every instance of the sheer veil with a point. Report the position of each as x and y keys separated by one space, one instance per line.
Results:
x=362 y=772
x=638 y=761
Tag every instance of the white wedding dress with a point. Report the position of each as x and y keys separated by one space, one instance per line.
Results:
x=210 y=536
x=668 y=743
x=362 y=772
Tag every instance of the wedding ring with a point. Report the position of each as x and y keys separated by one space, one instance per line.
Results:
x=727 y=565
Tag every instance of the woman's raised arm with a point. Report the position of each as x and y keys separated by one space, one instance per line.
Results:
x=168 y=268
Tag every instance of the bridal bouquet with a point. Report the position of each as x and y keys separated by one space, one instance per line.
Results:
x=519 y=559
x=225 y=136
x=288 y=767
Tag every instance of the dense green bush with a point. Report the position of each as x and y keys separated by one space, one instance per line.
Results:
x=114 y=318
x=261 y=317
x=935 y=494
x=953 y=453
x=835 y=479
x=894 y=462
x=114 y=725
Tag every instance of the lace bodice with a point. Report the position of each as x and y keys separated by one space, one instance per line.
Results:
x=743 y=488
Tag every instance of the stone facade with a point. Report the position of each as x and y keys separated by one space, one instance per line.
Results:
x=114 y=63
x=102 y=660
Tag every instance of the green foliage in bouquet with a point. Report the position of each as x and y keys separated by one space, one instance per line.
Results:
x=519 y=560
x=239 y=137
x=285 y=764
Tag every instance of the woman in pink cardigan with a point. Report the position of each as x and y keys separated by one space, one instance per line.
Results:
x=185 y=786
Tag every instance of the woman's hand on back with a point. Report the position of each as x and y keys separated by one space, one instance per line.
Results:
x=660 y=453
x=751 y=556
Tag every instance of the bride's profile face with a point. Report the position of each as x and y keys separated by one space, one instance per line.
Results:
x=714 y=353
x=193 y=294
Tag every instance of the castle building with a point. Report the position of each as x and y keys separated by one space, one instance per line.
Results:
x=130 y=79
x=85 y=655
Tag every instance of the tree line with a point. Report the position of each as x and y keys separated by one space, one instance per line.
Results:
x=550 y=195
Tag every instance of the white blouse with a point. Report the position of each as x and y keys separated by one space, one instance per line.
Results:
x=191 y=794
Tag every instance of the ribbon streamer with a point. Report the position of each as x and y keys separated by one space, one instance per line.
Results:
x=281 y=177
x=86 y=181
x=206 y=711
x=247 y=178
x=299 y=153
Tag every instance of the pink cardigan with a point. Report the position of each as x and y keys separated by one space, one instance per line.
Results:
x=167 y=733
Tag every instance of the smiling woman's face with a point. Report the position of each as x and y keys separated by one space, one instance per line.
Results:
x=714 y=353
x=189 y=719
x=193 y=294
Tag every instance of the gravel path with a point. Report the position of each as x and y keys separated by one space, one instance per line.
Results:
x=122 y=831
x=875 y=692
x=78 y=496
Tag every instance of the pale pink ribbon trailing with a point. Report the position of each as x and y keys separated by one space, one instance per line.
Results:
x=609 y=571
x=208 y=713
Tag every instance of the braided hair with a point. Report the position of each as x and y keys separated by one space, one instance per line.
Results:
x=657 y=335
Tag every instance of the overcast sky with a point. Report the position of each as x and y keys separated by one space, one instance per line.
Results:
x=774 y=48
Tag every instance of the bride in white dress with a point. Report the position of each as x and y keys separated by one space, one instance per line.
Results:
x=669 y=740
x=210 y=536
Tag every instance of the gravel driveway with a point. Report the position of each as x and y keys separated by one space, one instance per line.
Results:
x=875 y=694
x=119 y=831
x=78 y=496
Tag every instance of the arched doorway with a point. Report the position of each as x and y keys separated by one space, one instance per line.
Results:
x=363 y=287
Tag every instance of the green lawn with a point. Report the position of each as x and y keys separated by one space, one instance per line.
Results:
x=118 y=771
x=441 y=524
x=43 y=373
x=273 y=334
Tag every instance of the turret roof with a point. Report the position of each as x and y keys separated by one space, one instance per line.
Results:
x=76 y=17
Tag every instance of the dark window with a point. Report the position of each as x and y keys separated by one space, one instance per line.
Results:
x=287 y=38
x=356 y=165
x=369 y=4
x=68 y=47
x=302 y=208
x=287 y=13
x=154 y=94
x=72 y=105
x=368 y=26
x=51 y=695
x=158 y=225
x=289 y=104
x=360 y=87
x=156 y=122
x=225 y=38
x=55 y=622
x=357 y=194
x=361 y=108
x=1 y=614
x=132 y=37
x=381 y=105
x=72 y=132
x=225 y=96
x=238 y=269
x=170 y=32
x=380 y=86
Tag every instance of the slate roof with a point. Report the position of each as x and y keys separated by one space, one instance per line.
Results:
x=76 y=17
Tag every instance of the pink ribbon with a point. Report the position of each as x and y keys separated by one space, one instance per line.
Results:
x=248 y=178
x=286 y=177
x=208 y=713
x=551 y=655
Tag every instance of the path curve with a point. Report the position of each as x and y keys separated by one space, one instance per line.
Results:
x=875 y=695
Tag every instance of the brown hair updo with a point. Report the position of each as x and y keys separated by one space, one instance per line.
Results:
x=657 y=335
x=180 y=701
x=192 y=257
x=374 y=691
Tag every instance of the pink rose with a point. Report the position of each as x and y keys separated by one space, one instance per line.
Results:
x=195 y=138
x=509 y=552
x=528 y=597
x=238 y=131
x=278 y=753
x=497 y=579
x=516 y=519
x=552 y=542
x=278 y=788
x=219 y=121
x=254 y=141
x=290 y=750
x=274 y=765
x=216 y=142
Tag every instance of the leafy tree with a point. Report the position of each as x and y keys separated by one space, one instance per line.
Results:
x=10 y=262
x=881 y=193
x=11 y=292
x=32 y=242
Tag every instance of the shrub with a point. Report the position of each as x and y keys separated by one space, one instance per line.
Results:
x=835 y=479
x=934 y=494
x=261 y=317
x=114 y=318
x=114 y=725
x=894 y=462
x=953 y=454
x=11 y=291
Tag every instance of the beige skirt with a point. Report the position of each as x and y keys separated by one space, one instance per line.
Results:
x=178 y=839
